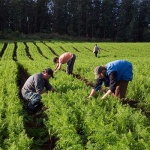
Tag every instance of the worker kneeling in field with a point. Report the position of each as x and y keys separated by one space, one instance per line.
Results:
x=36 y=85
x=116 y=75
x=68 y=58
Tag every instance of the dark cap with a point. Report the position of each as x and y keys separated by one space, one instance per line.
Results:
x=97 y=71
x=49 y=71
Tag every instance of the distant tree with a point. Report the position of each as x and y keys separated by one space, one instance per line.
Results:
x=144 y=21
x=60 y=16
x=109 y=15
x=42 y=16
x=4 y=15
x=126 y=12
x=116 y=20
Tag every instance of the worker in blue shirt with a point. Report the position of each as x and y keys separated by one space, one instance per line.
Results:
x=114 y=75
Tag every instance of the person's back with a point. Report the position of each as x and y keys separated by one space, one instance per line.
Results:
x=68 y=58
x=116 y=75
x=96 y=48
x=30 y=83
x=121 y=67
x=64 y=58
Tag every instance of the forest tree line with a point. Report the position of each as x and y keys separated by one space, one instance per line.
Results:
x=116 y=20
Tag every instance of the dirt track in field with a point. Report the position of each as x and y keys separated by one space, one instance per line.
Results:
x=39 y=50
x=62 y=48
x=88 y=49
x=15 y=51
x=3 y=49
x=27 y=51
x=51 y=49
x=76 y=49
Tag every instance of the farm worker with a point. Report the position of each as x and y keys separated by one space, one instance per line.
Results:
x=68 y=58
x=96 y=50
x=116 y=75
x=36 y=85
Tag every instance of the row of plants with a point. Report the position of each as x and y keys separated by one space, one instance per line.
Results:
x=98 y=124
x=12 y=132
x=1 y=46
x=136 y=53
x=79 y=122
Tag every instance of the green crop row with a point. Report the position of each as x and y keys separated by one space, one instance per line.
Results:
x=76 y=121
x=12 y=132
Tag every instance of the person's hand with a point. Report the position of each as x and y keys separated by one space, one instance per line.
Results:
x=90 y=96
x=53 y=90
x=105 y=95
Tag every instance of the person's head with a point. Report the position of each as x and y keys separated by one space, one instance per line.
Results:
x=55 y=60
x=100 y=72
x=95 y=44
x=48 y=73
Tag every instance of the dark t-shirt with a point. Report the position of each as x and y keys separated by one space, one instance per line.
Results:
x=36 y=83
x=110 y=81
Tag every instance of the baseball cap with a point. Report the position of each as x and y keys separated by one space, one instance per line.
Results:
x=49 y=71
x=97 y=71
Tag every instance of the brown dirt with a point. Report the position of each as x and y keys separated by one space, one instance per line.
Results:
x=34 y=124
x=51 y=49
x=62 y=48
x=87 y=82
x=27 y=51
x=39 y=50
x=131 y=103
x=3 y=49
x=76 y=49
x=88 y=49
x=15 y=52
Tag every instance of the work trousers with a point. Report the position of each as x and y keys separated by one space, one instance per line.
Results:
x=96 y=54
x=121 y=89
x=70 y=64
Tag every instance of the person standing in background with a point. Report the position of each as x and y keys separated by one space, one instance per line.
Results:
x=96 y=50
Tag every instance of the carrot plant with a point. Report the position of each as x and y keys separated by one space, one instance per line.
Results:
x=76 y=121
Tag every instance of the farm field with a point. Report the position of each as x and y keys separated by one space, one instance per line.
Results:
x=71 y=120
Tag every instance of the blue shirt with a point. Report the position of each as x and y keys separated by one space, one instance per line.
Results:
x=123 y=69
x=116 y=71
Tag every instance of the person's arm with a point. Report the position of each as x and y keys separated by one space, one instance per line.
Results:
x=94 y=49
x=58 y=67
x=113 y=83
x=53 y=90
x=96 y=87
x=38 y=84
x=92 y=93
x=107 y=93
x=49 y=87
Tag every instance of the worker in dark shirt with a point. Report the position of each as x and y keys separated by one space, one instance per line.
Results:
x=114 y=75
x=36 y=85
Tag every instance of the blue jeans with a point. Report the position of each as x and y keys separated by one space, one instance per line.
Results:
x=33 y=98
